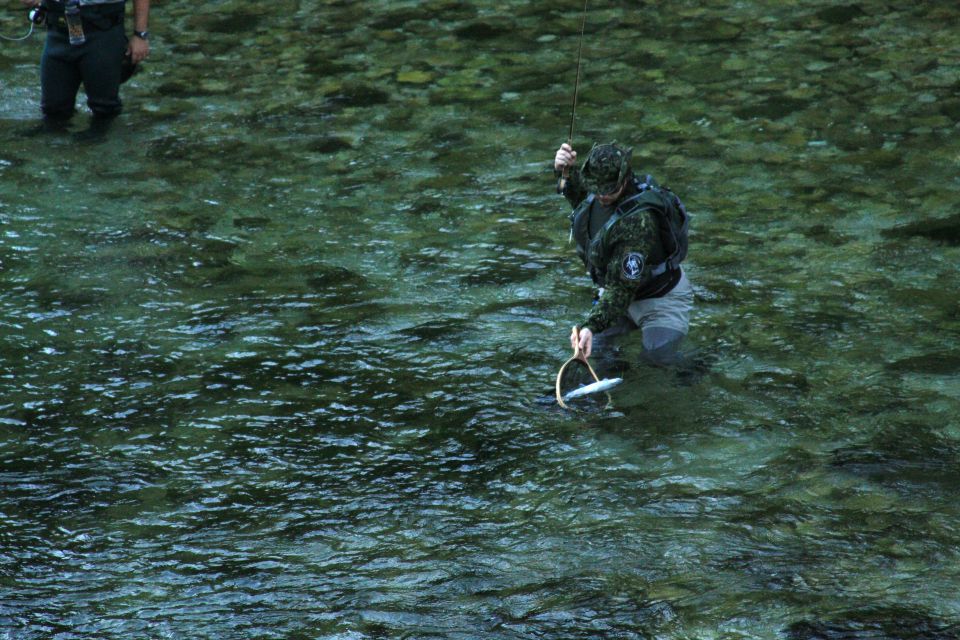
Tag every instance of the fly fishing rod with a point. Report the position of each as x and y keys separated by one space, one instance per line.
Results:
x=576 y=89
x=561 y=186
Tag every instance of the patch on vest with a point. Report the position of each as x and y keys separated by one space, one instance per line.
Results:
x=632 y=266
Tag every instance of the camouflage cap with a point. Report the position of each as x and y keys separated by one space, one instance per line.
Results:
x=606 y=167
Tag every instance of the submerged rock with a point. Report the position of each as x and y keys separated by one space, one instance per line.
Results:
x=841 y=14
x=398 y=18
x=179 y=89
x=359 y=95
x=331 y=278
x=425 y=206
x=951 y=108
x=447 y=10
x=903 y=456
x=498 y=272
x=319 y=64
x=228 y=22
x=709 y=30
x=329 y=144
x=942 y=363
x=945 y=230
x=251 y=223
x=777 y=380
x=772 y=108
x=827 y=235
x=855 y=138
x=338 y=284
x=483 y=30
x=186 y=221
x=415 y=77
x=877 y=158
x=441 y=328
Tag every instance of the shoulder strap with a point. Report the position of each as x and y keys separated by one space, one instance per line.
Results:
x=673 y=261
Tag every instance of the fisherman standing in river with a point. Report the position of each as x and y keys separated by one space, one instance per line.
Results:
x=86 y=43
x=631 y=234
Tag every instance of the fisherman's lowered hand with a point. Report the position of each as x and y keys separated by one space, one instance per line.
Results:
x=582 y=341
x=138 y=48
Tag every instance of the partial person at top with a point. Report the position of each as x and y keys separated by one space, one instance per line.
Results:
x=87 y=44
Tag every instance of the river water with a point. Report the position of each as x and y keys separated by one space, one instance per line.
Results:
x=276 y=351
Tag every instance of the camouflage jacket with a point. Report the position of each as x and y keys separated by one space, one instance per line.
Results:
x=620 y=255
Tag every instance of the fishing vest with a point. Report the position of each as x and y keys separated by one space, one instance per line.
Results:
x=672 y=222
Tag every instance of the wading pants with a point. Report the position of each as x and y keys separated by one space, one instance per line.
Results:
x=96 y=64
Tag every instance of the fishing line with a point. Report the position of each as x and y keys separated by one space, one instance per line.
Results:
x=29 y=33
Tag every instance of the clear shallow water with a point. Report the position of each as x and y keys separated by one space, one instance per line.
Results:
x=270 y=350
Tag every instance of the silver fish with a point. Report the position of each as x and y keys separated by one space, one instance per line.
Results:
x=596 y=387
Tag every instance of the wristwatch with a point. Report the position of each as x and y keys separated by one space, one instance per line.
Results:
x=143 y=35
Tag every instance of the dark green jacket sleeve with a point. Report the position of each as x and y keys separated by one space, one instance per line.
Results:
x=574 y=192
x=633 y=240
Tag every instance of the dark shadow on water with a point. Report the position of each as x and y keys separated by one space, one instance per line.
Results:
x=97 y=132
x=941 y=230
x=904 y=457
x=876 y=624
x=47 y=127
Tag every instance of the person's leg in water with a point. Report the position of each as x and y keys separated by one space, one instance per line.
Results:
x=664 y=322
x=101 y=67
x=59 y=80
x=661 y=345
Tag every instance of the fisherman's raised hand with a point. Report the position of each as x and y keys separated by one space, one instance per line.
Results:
x=566 y=157
x=581 y=341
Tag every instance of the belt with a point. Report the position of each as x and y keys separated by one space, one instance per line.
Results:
x=58 y=22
